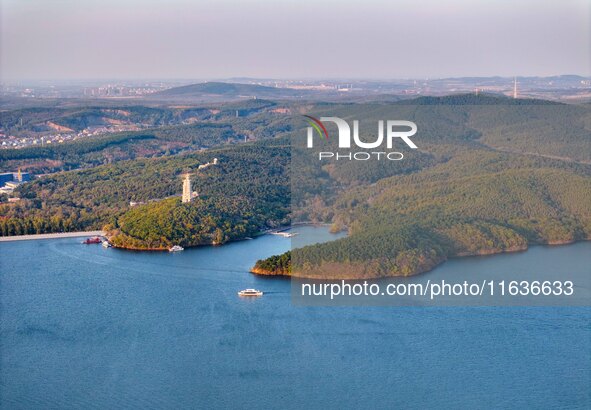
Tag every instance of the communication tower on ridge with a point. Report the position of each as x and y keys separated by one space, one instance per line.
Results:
x=514 y=87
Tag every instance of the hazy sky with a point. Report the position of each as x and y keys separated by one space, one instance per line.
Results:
x=82 y=39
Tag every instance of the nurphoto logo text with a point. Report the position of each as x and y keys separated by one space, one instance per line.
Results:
x=392 y=129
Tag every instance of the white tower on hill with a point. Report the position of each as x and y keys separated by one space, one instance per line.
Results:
x=187 y=188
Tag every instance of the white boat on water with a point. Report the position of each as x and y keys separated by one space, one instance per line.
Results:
x=106 y=244
x=176 y=248
x=250 y=292
x=285 y=234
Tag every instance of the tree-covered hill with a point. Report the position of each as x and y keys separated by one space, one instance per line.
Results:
x=462 y=194
x=490 y=175
x=225 y=90
x=176 y=131
x=250 y=180
x=405 y=225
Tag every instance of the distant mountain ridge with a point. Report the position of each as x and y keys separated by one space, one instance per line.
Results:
x=226 y=90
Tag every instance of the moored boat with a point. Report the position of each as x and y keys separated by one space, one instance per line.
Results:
x=176 y=248
x=284 y=234
x=90 y=241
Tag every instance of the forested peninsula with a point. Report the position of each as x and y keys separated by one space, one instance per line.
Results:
x=489 y=178
x=491 y=175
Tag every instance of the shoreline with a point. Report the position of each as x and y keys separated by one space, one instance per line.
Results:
x=57 y=235
x=50 y=236
x=262 y=273
x=269 y=231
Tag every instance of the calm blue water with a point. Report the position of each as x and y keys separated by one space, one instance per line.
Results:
x=87 y=327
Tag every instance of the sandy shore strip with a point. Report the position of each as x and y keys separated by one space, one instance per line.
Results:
x=50 y=236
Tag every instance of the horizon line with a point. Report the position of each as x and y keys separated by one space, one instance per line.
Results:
x=236 y=79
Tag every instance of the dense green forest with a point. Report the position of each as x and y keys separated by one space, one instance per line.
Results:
x=490 y=175
x=460 y=195
x=405 y=225
x=274 y=265
x=28 y=121
x=168 y=131
x=248 y=189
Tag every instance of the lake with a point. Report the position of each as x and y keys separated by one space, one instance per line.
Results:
x=87 y=327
